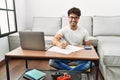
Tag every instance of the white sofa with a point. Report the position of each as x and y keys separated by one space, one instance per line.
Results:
x=105 y=29
x=50 y=25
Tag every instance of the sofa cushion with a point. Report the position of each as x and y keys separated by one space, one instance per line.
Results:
x=104 y=26
x=109 y=50
x=48 y=25
x=85 y=21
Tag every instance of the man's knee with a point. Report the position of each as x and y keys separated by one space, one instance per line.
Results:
x=51 y=62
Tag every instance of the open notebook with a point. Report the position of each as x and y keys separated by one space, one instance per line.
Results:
x=69 y=49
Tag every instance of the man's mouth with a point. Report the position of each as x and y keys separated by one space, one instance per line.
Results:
x=73 y=22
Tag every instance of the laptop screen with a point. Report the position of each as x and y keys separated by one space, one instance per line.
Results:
x=32 y=40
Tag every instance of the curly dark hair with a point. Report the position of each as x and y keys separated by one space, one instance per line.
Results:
x=75 y=11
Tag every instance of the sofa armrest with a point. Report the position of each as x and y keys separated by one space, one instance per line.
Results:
x=48 y=40
x=14 y=41
x=94 y=41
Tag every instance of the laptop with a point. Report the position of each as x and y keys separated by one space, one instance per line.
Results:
x=33 y=41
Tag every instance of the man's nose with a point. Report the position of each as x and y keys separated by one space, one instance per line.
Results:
x=73 y=19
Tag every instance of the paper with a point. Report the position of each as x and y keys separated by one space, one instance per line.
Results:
x=69 y=49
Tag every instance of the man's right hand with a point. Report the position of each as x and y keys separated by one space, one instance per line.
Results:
x=63 y=44
x=58 y=42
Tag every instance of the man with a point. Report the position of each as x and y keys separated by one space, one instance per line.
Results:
x=72 y=35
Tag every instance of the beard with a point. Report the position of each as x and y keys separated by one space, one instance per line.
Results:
x=73 y=24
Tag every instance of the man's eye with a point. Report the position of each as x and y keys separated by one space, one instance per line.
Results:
x=73 y=17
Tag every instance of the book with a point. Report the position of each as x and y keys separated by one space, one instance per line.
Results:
x=69 y=49
x=34 y=74
x=29 y=78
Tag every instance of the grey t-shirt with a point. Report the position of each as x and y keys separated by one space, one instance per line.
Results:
x=74 y=37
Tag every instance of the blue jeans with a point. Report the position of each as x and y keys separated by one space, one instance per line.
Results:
x=63 y=64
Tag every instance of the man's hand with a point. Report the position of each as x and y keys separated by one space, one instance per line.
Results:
x=63 y=44
x=57 y=41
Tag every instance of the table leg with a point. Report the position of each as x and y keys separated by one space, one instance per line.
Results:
x=26 y=63
x=91 y=66
x=97 y=69
x=7 y=67
x=90 y=75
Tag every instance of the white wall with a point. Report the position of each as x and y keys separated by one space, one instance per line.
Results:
x=26 y=9
x=21 y=14
x=4 y=47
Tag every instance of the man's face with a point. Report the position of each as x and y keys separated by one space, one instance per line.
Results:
x=73 y=20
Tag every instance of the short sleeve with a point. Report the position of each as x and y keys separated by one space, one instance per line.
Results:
x=62 y=31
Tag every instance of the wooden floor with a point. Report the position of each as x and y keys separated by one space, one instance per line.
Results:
x=18 y=66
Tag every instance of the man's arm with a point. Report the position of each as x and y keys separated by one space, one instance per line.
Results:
x=57 y=41
x=88 y=42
